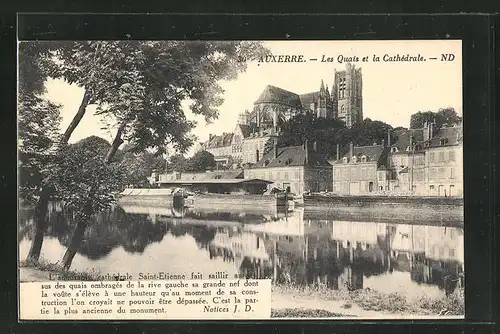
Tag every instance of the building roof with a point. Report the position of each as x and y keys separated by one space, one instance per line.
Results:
x=219 y=141
x=307 y=98
x=451 y=135
x=273 y=94
x=215 y=175
x=214 y=181
x=291 y=156
x=373 y=153
x=403 y=138
x=246 y=130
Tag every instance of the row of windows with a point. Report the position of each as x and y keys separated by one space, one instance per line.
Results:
x=441 y=190
x=276 y=175
x=416 y=160
x=441 y=173
x=354 y=173
x=355 y=159
x=442 y=156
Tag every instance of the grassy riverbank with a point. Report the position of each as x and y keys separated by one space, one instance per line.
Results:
x=371 y=300
x=53 y=271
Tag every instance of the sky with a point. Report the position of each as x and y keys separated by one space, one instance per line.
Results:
x=392 y=91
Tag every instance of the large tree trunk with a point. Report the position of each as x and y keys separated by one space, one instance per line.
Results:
x=40 y=224
x=75 y=242
x=76 y=120
x=116 y=143
x=46 y=192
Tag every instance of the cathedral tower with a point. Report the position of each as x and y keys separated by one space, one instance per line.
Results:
x=347 y=93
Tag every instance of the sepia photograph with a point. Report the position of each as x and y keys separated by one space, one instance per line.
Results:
x=251 y=179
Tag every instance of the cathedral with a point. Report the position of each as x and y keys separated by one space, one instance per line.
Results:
x=275 y=105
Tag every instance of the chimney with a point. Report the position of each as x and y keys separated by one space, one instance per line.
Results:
x=383 y=143
x=351 y=150
x=411 y=142
x=306 y=144
x=432 y=128
x=338 y=151
x=275 y=147
x=315 y=146
x=388 y=137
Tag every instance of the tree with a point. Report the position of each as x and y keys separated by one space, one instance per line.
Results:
x=148 y=110
x=139 y=166
x=443 y=117
x=448 y=117
x=418 y=120
x=86 y=184
x=38 y=124
x=200 y=162
x=369 y=132
x=141 y=85
x=178 y=162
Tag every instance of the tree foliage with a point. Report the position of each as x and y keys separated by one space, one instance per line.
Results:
x=38 y=119
x=327 y=133
x=83 y=181
x=143 y=83
x=138 y=167
x=200 y=162
x=38 y=130
x=443 y=117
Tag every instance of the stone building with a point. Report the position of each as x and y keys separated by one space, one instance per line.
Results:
x=276 y=105
x=427 y=161
x=407 y=163
x=358 y=172
x=220 y=147
x=299 y=167
x=444 y=162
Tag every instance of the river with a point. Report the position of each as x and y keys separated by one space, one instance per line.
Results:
x=301 y=247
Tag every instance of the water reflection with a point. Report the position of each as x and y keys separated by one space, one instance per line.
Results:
x=299 y=247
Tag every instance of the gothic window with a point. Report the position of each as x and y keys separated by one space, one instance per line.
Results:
x=344 y=160
x=394 y=149
x=342 y=85
x=363 y=158
x=354 y=159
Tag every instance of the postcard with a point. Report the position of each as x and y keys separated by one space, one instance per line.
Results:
x=166 y=180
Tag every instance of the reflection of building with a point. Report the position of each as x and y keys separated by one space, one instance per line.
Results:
x=356 y=172
x=275 y=105
x=242 y=244
x=292 y=225
x=247 y=250
x=299 y=167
